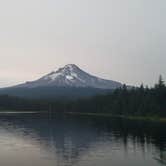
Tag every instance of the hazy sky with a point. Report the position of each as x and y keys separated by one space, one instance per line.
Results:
x=123 y=40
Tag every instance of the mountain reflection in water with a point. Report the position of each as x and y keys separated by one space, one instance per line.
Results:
x=39 y=140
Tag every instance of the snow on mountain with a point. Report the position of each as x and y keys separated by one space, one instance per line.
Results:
x=71 y=76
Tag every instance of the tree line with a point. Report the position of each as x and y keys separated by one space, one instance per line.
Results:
x=134 y=101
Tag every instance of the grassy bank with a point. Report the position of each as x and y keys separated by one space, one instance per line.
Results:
x=142 y=118
x=5 y=111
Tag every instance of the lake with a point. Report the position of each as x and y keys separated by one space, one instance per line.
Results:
x=68 y=140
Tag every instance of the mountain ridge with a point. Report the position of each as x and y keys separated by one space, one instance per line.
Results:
x=71 y=76
x=69 y=82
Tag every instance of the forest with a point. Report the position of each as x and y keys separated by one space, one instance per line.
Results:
x=134 y=101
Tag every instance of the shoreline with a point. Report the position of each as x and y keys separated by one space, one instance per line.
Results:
x=140 y=118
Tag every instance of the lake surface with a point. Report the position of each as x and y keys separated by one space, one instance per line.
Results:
x=39 y=140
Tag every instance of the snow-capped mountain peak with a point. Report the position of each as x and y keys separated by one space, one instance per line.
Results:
x=72 y=76
x=69 y=72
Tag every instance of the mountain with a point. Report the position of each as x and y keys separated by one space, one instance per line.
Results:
x=71 y=76
x=69 y=81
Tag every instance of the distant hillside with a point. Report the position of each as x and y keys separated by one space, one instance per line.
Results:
x=53 y=92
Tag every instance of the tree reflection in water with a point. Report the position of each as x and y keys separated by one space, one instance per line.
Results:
x=68 y=138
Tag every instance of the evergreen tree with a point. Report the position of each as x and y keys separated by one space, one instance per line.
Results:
x=161 y=83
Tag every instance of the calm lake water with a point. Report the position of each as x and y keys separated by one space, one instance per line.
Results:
x=39 y=140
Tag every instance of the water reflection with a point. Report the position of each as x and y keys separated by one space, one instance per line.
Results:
x=39 y=140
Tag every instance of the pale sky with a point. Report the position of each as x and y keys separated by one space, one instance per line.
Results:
x=122 y=40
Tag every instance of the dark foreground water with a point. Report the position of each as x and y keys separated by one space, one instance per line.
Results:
x=39 y=140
